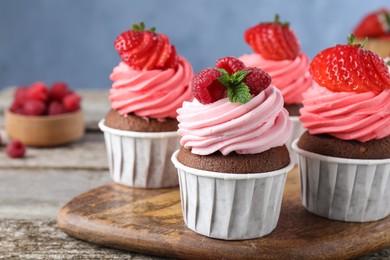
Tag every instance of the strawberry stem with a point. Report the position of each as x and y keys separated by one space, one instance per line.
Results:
x=141 y=27
x=351 y=41
x=277 y=21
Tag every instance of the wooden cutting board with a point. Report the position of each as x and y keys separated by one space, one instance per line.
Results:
x=150 y=222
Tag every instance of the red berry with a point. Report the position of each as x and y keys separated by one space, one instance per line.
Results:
x=21 y=95
x=172 y=60
x=346 y=68
x=257 y=80
x=273 y=41
x=15 y=149
x=38 y=91
x=142 y=49
x=71 y=102
x=34 y=107
x=58 y=91
x=16 y=108
x=205 y=86
x=230 y=64
x=374 y=24
x=55 y=108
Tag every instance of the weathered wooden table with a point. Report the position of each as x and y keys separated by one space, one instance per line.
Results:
x=33 y=189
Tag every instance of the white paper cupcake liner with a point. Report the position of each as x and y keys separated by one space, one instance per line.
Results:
x=297 y=131
x=230 y=206
x=351 y=190
x=141 y=159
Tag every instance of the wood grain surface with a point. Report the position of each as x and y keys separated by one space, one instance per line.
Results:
x=150 y=221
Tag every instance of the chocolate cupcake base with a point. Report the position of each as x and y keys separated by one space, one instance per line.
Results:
x=270 y=160
x=135 y=123
x=331 y=146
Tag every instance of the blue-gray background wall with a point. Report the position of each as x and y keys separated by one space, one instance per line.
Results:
x=71 y=40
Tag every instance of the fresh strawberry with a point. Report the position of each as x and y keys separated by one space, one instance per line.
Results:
x=172 y=60
x=230 y=64
x=33 y=107
x=205 y=86
x=38 y=91
x=142 y=49
x=257 y=80
x=374 y=24
x=58 y=91
x=15 y=149
x=273 y=41
x=71 y=102
x=346 y=68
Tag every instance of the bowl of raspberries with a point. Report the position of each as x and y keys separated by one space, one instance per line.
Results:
x=44 y=116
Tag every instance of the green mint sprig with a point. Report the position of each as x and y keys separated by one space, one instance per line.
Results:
x=237 y=91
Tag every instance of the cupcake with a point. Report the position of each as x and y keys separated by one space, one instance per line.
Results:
x=344 y=157
x=375 y=27
x=149 y=85
x=277 y=51
x=233 y=162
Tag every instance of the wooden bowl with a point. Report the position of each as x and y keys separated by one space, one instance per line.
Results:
x=45 y=131
x=380 y=46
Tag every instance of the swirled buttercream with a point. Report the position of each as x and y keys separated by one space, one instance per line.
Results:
x=292 y=77
x=346 y=115
x=150 y=93
x=254 y=127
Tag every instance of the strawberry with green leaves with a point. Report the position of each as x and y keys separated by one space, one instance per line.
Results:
x=273 y=40
x=375 y=24
x=349 y=67
x=230 y=78
x=144 y=49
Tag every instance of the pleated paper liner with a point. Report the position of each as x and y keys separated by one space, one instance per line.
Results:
x=351 y=190
x=141 y=159
x=231 y=206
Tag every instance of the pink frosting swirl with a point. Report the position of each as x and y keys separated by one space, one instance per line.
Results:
x=292 y=77
x=346 y=115
x=150 y=93
x=254 y=127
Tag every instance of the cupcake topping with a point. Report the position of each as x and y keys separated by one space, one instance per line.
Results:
x=375 y=24
x=350 y=68
x=291 y=77
x=230 y=78
x=150 y=93
x=145 y=49
x=346 y=115
x=273 y=40
x=224 y=126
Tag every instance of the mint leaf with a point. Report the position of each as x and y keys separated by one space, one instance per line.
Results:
x=388 y=63
x=225 y=78
x=239 y=93
x=238 y=77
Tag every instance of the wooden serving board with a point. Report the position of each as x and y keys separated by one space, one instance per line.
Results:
x=150 y=222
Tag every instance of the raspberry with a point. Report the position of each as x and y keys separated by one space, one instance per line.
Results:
x=205 y=86
x=38 y=91
x=34 y=107
x=257 y=80
x=16 y=108
x=58 y=91
x=21 y=95
x=230 y=64
x=71 y=102
x=55 y=108
x=15 y=149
